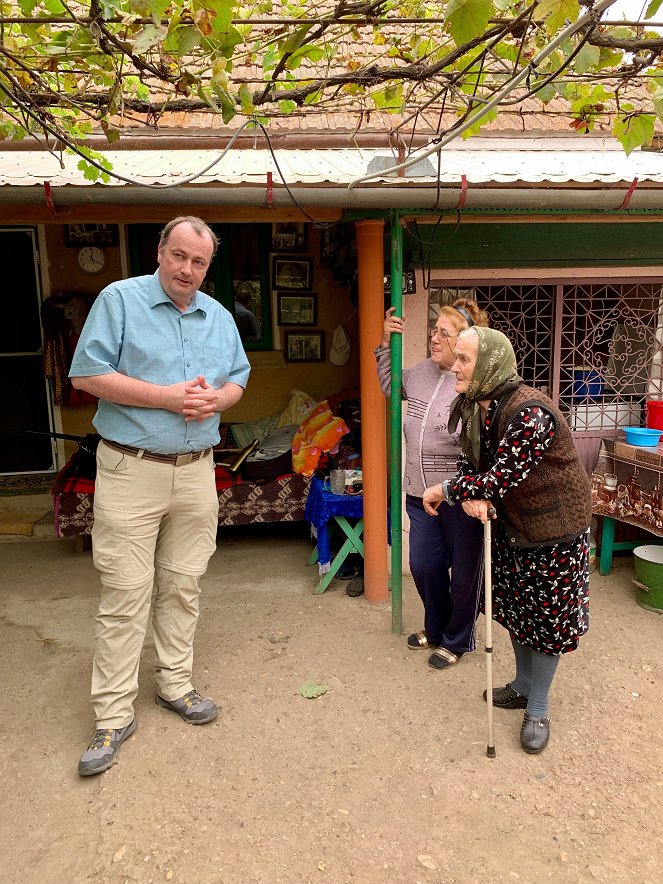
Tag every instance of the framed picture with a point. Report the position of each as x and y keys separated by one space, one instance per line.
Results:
x=297 y=309
x=91 y=234
x=306 y=346
x=409 y=286
x=292 y=274
x=289 y=236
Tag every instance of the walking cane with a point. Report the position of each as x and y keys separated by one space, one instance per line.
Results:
x=488 y=608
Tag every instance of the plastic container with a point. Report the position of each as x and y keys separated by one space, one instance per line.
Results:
x=655 y=414
x=649 y=574
x=587 y=384
x=643 y=437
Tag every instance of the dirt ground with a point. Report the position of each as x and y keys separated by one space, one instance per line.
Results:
x=384 y=778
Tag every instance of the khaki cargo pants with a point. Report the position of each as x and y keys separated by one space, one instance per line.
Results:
x=154 y=529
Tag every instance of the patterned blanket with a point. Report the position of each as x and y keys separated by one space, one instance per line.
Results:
x=240 y=502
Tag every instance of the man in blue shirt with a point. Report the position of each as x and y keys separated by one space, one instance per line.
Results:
x=164 y=360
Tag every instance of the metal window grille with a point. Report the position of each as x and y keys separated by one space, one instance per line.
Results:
x=595 y=347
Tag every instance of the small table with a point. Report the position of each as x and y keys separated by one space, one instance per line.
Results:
x=626 y=487
x=326 y=512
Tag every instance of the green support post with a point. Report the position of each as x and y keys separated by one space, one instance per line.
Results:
x=396 y=420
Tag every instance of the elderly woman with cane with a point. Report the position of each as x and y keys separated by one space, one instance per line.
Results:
x=452 y=541
x=519 y=458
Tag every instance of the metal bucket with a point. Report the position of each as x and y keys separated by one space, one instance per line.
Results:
x=649 y=573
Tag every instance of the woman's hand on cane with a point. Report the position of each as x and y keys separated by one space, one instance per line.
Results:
x=480 y=509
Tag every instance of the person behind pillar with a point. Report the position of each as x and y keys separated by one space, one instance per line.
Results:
x=164 y=360
x=450 y=540
x=519 y=459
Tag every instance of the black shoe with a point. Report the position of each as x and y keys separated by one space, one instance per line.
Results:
x=507 y=698
x=534 y=734
x=355 y=587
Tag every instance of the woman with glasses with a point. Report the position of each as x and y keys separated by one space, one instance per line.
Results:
x=450 y=541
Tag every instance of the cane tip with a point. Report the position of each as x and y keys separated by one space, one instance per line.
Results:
x=490 y=751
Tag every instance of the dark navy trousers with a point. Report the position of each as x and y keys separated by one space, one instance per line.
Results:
x=451 y=540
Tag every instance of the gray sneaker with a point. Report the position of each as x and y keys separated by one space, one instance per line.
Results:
x=102 y=751
x=193 y=708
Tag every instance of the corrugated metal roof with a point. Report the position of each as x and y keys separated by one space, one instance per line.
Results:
x=482 y=161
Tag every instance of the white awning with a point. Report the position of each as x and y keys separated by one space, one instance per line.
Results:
x=485 y=169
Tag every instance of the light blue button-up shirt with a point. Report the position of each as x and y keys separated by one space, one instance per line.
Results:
x=135 y=329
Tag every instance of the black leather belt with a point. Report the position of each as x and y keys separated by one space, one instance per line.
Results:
x=175 y=460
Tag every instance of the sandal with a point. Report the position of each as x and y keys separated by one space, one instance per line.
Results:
x=418 y=641
x=443 y=659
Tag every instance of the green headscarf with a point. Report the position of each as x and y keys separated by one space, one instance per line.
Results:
x=494 y=375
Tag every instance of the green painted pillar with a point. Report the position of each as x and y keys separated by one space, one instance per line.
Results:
x=396 y=408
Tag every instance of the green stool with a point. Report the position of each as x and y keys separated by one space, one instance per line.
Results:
x=352 y=544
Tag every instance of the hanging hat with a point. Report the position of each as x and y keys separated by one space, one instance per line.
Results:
x=340 y=348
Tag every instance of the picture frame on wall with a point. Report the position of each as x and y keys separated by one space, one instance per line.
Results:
x=291 y=274
x=409 y=283
x=77 y=235
x=289 y=236
x=304 y=346
x=297 y=309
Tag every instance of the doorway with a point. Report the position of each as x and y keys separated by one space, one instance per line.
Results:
x=24 y=396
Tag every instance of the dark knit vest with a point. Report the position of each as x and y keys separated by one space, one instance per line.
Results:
x=553 y=504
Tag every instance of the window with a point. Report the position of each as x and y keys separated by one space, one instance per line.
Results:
x=238 y=277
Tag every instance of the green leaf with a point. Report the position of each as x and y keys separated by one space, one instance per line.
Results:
x=610 y=58
x=475 y=128
x=246 y=99
x=28 y=6
x=657 y=99
x=269 y=59
x=634 y=131
x=206 y=96
x=149 y=37
x=187 y=38
x=653 y=8
x=466 y=19
x=90 y=173
x=287 y=107
x=54 y=7
x=311 y=691
x=547 y=93
x=228 y=107
x=315 y=97
x=313 y=53
x=587 y=58
x=111 y=132
x=224 y=13
x=386 y=99
x=134 y=85
x=158 y=10
x=557 y=12
x=295 y=40
x=226 y=42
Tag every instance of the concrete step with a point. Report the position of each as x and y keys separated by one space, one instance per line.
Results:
x=43 y=529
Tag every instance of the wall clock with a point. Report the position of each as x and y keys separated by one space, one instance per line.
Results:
x=91 y=259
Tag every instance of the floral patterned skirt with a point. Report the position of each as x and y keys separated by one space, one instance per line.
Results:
x=541 y=594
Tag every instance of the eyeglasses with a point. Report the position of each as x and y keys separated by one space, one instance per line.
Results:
x=442 y=333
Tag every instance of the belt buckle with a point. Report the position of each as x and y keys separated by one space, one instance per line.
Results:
x=183 y=459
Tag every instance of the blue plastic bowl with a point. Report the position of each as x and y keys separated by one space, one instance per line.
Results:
x=644 y=437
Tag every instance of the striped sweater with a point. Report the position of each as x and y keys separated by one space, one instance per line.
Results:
x=431 y=453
